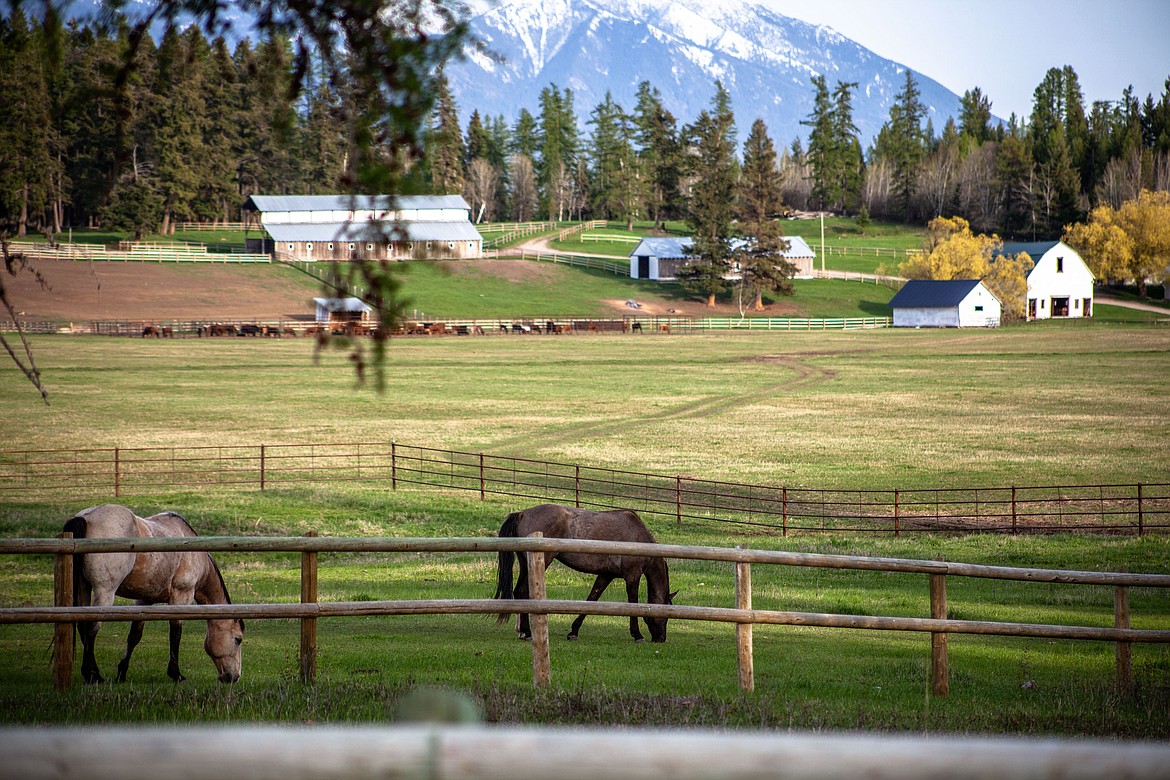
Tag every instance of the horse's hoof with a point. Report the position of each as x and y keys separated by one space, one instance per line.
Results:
x=639 y=641
x=572 y=637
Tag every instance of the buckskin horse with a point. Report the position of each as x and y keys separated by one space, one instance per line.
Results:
x=565 y=522
x=149 y=578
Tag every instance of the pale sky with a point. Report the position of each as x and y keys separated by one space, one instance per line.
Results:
x=1006 y=46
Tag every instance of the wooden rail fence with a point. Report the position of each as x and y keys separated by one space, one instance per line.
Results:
x=743 y=616
x=472 y=752
x=1135 y=509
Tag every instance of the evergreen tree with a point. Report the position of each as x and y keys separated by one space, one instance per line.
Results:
x=659 y=150
x=478 y=140
x=820 y=144
x=445 y=151
x=975 y=116
x=174 y=131
x=848 y=164
x=524 y=135
x=617 y=186
x=28 y=165
x=557 y=144
x=903 y=142
x=218 y=196
x=710 y=207
x=759 y=253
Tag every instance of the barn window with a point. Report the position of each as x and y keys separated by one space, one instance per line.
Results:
x=1060 y=265
x=409 y=245
x=978 y=308
x=309 y=247
x=351 y=247
x=291 y=247
x=330 y=246
x=471 y=245
x=450 y=244
x=369 y=247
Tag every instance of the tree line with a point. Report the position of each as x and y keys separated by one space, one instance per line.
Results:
x=197 y=126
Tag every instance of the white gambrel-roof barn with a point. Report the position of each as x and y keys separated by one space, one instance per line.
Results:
x=955 y=303
x=1060 y=284
x=661 y=258
x=343 y=227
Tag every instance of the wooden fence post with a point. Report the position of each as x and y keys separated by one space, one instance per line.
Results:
x=117 y=472
x=743 y=631
x=1141 y=517
x=263 y=466
x=1124 y=649
x=678 y=499
x=309 y=625
x=897 y=515
x=393 y=465
x=541 y=665
x=63 y=632
x=481 y=484
x=939 y=664
x=577 y=485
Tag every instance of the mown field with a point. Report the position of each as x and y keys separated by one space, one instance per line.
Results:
x=1066 y=403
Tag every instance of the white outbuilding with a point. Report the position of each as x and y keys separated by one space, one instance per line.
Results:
x=955 y=303
x=660 y=259
x=1060 y=284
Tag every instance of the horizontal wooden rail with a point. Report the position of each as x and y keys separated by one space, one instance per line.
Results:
x=438 y=752
x=325 y=544
x=309 y=610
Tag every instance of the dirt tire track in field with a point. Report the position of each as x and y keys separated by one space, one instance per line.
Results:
x=806 y=376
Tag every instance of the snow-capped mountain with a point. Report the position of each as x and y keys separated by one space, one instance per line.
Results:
x=764 y=59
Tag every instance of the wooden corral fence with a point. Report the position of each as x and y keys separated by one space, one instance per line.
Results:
x=1133 y=509
x=309 y=610
x=131 y=252
x=466 y=752
x=870 y=251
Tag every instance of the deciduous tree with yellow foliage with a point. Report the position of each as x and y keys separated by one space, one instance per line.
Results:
x=954 y=252
x=1132 y=242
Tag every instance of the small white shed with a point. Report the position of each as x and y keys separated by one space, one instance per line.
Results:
x=1060 y=284
x=342 y=310
x=955 y=303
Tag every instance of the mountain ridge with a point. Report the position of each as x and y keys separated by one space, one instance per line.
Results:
x=764 y=59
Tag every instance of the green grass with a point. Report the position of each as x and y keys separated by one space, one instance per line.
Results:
x=1064 y=403
x=1043 y=403
x=475 y=290
x=806 y=677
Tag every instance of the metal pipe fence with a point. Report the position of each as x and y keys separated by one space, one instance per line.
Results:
x=1131 y=509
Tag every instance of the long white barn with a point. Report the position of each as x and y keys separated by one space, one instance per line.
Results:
x=382 y=227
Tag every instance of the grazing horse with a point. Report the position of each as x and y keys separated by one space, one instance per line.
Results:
x=565 y=522
x=149 y=578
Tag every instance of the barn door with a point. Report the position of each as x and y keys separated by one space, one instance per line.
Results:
x=643 y=266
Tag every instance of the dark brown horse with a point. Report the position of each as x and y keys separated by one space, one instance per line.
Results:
x=150 y=578
x=566 y=522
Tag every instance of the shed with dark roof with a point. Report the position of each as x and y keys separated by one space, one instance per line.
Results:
x=954 y=303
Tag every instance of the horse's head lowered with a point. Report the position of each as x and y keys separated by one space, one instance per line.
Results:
x=225 y=639
x=657 y=625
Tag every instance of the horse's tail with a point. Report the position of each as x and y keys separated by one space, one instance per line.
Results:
x=76 y=525
x=504 y=567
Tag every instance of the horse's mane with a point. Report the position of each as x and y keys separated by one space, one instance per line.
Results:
x=222 y=584
x=214 y=565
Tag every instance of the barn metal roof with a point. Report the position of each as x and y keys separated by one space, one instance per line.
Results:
x=349 y=202
x=372 y=232
x=343 y=304
x=932 y=294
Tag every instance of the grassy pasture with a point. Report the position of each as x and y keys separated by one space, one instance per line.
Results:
x=1065 y=403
